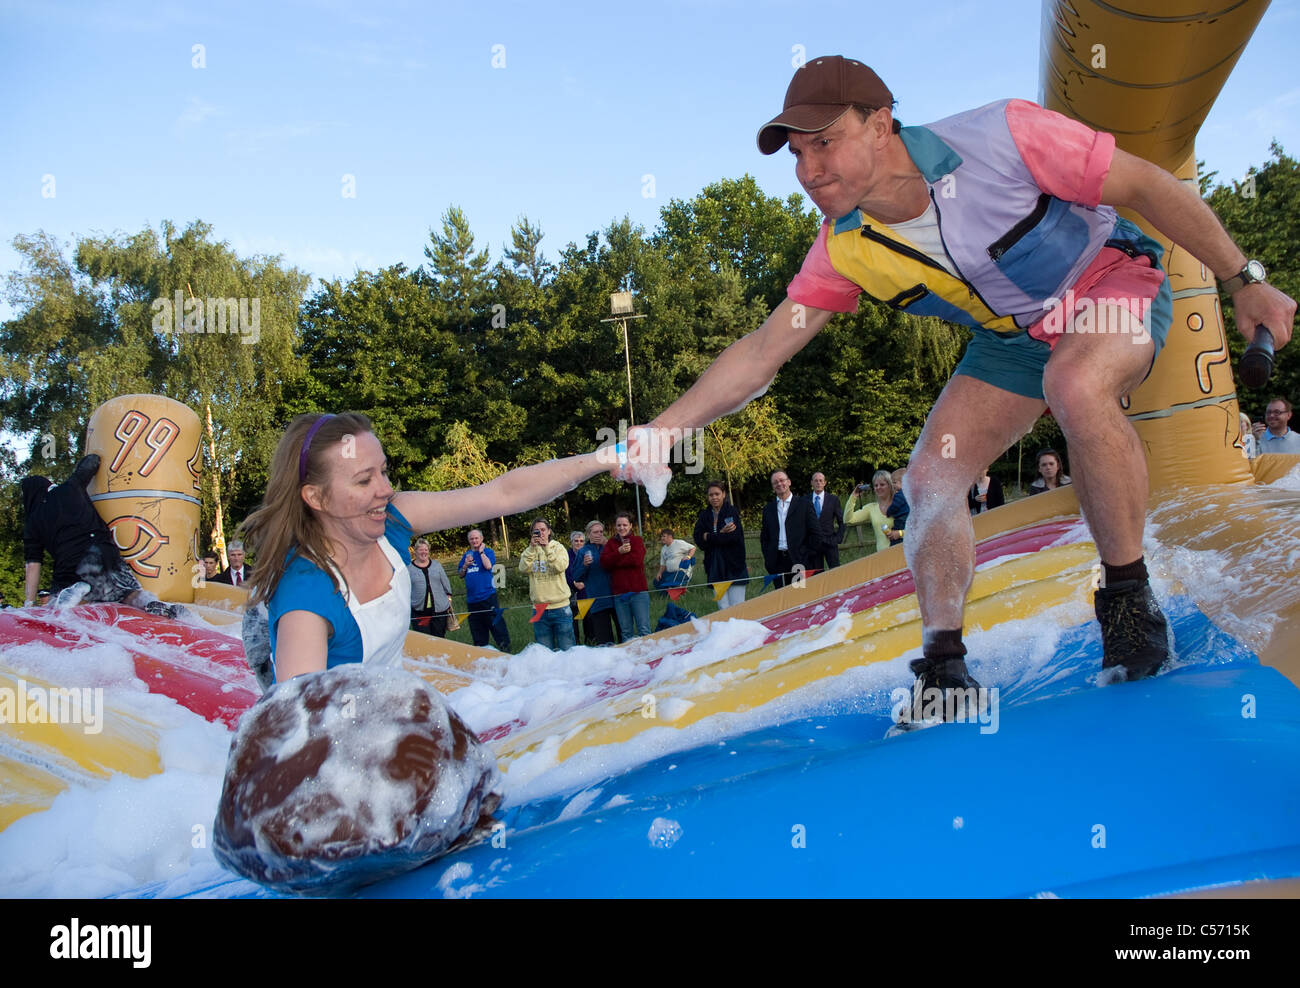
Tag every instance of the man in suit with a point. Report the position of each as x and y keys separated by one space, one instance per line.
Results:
x=238 y=574
x=830 y=522
x=790 y=531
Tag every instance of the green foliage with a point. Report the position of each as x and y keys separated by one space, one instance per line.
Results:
x=747 y=444
x=92 y=329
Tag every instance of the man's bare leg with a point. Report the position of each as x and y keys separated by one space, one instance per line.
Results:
x=1085 y=378
x=970 y=426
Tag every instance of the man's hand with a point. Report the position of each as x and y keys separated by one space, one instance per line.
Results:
x=1262 y=304
x=1181 y=215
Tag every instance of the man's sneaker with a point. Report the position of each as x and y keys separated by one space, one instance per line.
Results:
x=1134 y=633
x=161 y=609
x=934 y=696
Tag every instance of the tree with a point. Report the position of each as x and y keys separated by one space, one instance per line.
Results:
x=525 y=256
x=457 y=272
x=109 y=324
x=464 y=464
x=752 y=442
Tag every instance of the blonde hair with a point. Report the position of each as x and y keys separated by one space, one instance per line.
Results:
x=285 y=525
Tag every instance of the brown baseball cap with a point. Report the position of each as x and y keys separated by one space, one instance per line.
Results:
x=821 y=90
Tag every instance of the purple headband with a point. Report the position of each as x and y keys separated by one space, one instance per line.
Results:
x=306 y=446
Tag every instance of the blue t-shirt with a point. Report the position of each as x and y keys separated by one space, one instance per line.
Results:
x=1288 y=442
x=306 y=587
x=478 y=581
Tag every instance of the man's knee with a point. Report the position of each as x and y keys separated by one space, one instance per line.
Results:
x=1083 y=377
x=935 y=479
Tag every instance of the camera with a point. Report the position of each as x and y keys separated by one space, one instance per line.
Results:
x=536 y=532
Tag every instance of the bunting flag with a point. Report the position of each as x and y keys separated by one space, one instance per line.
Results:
x=462 y=618
x=720 y=588
x=810 y=572
x=584 y=606
x=767 y=580
x=538 y=611
x=675 y=593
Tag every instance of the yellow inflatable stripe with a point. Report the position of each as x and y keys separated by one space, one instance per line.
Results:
x=123 y=744
x=1047 y=564
x=442 y=680
x=25 y=789
x=50 y=753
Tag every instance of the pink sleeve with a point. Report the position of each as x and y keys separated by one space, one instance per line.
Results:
x=818 y=283
x=1067 y=159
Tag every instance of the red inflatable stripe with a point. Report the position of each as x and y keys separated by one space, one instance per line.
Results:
x=200 y=669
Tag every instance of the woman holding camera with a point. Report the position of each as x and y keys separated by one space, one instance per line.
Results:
x=886 y=513
x=332 y=539
x=546 y=562
x=624 y=558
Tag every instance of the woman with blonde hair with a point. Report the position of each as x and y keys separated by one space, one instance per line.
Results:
x=332 y=538
x=1249 y=448
x=886 y=513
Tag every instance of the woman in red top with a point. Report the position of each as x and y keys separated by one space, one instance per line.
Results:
x=624 y=558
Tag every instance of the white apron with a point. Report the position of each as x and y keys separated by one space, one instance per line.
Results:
x=383 y=622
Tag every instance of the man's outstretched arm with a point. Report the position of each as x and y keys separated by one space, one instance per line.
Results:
x=1174 y=209
x=743 y=371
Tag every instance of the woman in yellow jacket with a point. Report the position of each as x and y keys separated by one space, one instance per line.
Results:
x=545 y=563
x=886 y=512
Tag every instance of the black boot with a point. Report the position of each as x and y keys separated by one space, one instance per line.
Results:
x=85 y=470
x=1134 y=633
x=937 y=677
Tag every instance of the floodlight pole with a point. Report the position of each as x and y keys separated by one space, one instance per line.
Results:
x=620 y=307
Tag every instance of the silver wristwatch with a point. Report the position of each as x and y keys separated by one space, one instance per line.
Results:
x=1251 y=274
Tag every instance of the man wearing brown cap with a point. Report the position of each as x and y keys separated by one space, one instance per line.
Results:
x=987 y=218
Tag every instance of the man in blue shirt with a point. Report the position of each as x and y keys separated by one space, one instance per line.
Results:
x=1278 y=437
x=484 y=611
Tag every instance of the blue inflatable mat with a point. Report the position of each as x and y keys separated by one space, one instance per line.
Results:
x=1188 y=780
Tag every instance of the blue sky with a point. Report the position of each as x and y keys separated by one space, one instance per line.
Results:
x=592 y=98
